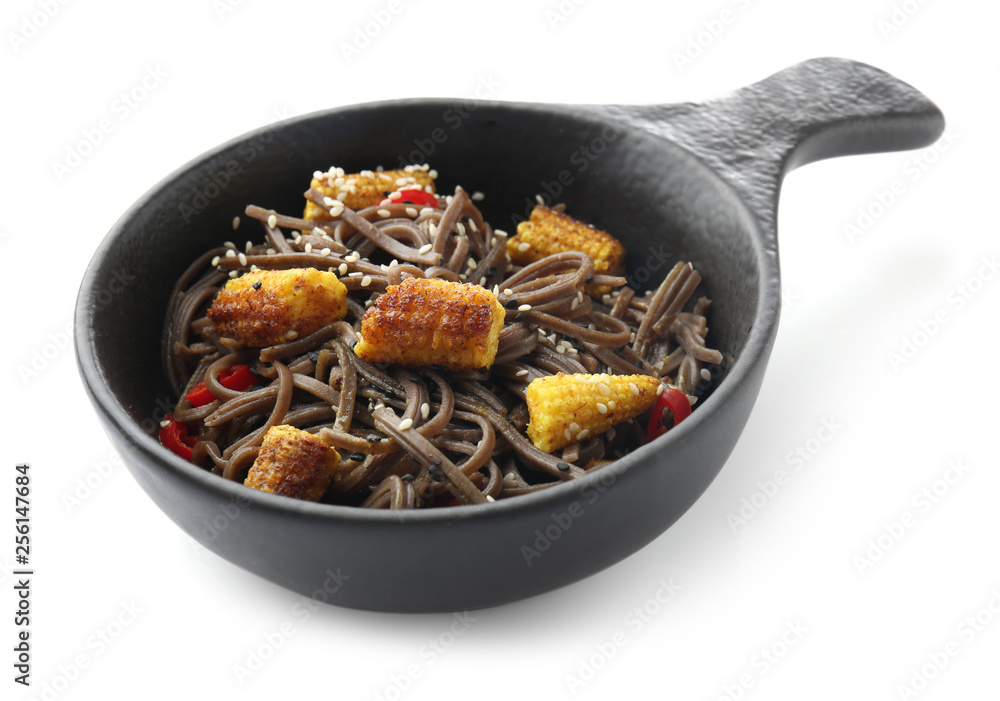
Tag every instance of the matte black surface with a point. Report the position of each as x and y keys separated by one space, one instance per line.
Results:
x=698 y=182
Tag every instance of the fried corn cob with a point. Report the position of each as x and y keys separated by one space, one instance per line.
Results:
x=549 y=231
x=424 y=322
x=367 y=188
x=266 y=307
x=293 y=463
x=567 y=408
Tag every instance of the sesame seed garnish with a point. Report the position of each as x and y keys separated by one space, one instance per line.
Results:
x=569 y=436
x=356 y=274
x=605 y=390
x=507 y=291
x=336 y=211
x=329 y=202
x=383 y=213
x=215 y=261
x=472 y=225
x=659 y=389
x=291 y=333
x=583 y=434
x=425 y=410
x=562 y=466
x=411 y=212
x=272 y=221
x=574 y=427
x=233 y=274
x=500 y=232
x=510 y=477
x=611 y=404
x=395 y=195
x=425 y=248
x=692 y=400
x=236 y=223
x=230 y=244
x=325 y=252
x=243 y=258
x=603 y=408
x=165 y=423
x=366 y=280
x=431 y=173
x=308 y=248
x=634 y=387
x=271 y=251
x=230 y=253
x=472 y=264
x=405 y=424
x=490 y=499
x=705 y=374
x=343 y=268
x=478 y=196
x=524 y=308
x=522 y=372
x=393 y=263
x=342 y=195
x=574 y=304
x=561 y=350
x=540 y=200
x=461 y=228
x=523 y=246
x=611 y=434
x=352 y=257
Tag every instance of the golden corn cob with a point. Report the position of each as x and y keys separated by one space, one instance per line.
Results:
x=424 y=322
x=293 y=463
x=549 y=231
x=367 y=188
x=567 y=408
x=266 y=307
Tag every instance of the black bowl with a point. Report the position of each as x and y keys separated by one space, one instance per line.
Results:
x=697 y=182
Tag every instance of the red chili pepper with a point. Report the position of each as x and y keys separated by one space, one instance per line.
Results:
x=417 y=197
x=174 y=435
x=672 y=399
x=237 y=378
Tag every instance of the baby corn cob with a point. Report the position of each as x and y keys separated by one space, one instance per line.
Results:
x=549 y=231
x=293 y=463
x=424 y=322
x=367 y=188
x=567 y=408
x=266 y=307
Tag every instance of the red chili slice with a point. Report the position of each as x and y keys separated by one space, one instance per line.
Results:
x=174 y=435
x=236 y=377
x=672 y=399
x=416 y=197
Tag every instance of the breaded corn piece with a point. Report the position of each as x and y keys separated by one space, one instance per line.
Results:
x=549 y=231
x=424 y=322
x=293 y=463
x=367 y=188
x=267 y=307
x=567 y=408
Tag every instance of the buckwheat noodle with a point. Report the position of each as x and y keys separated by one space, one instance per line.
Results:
x=468 y=441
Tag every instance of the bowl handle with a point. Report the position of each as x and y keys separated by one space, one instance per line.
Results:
x=816 y=109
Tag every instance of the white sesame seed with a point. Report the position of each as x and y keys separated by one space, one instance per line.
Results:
x=510 y=477
x=524 y=308
x=692 y=400
x=490 y=499
x=325 y=252
x=215 y=261
x=472 y=264
x=574 y=427
x=342 y=195
x=611 y=434
x=425 y=410
x=424 y=211
x=166 y=422
x=236 y=223
x=539 y=200
x=561 y=350
x=659 y=389
x=230 y=253
x=478 y=196
x=523 y=246
x=254 y=268
x=336 y=211
x=499 y=232
x=383 y=213
x=433 y=229
x=507 y=291
x=355 y=274
x=248 y=248
x=271 y=251
x=230 y=244
x=605 y=390
x=705 y=374
x=343 y=268
x=432 y=173
x=472 y=225
x=233 y=274
x=243 y=259
x=522 y=372
x=366 y=280
x=352 y=257
x=402 y=181
x=634 y=387
x=425 y=248
x=308 y=248
x=603 y=408
x=393 y=263
x=291 y=333
x=329 y=202
x=574 y=304
x=318 y=174
x=611 y=405
x=460 y=227
x=569 y=436
x=583 y=434
x=496 y=290
x=405 y=424
x=411 y=212
x=272 y=221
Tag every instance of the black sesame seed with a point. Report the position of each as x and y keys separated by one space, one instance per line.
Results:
x=562 y=466
x=511 y=304
x=407 y=478
x=412 y=378
x=492 y=271
x=590 y=280
x=353 y=343
x=358 y=457
x=257 y=284
x=313 y=356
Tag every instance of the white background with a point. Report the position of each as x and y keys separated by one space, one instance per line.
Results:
x=848 y=581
